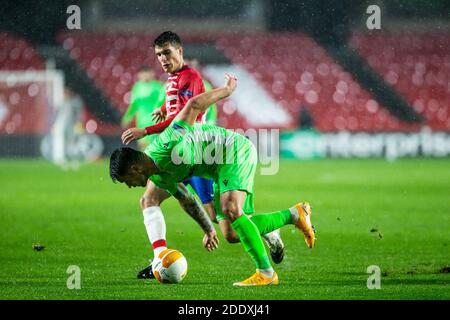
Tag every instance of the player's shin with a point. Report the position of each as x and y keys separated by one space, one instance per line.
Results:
x=253 y=244
x=269 y=222
x=269 y=225
x=156 y=228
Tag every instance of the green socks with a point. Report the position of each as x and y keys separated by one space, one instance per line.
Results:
x=269 y=222
x=251 y=240
x=249 y=230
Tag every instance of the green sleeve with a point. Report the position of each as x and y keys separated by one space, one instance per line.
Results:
x=211 y=115
x=160 y=182
x=132 y=108
x=156 y=94
x=208 y=86
x=161 y=95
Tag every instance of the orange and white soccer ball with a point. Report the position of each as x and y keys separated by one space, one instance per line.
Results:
x=170 y=266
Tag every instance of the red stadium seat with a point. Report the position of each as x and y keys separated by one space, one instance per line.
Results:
x=17 y=54
x=417 y=66
x=418 y=69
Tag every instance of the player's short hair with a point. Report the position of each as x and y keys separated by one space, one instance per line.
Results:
x=121 y=160
x=167 y=37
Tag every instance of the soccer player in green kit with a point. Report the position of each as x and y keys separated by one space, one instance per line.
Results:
x=147 y=94
x=185 y=149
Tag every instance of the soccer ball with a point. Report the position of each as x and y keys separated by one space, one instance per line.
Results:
x=170 y=266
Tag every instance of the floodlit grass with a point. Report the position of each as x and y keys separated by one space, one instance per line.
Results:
x=366 y=212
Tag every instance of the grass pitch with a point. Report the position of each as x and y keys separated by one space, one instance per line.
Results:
x=366 y=212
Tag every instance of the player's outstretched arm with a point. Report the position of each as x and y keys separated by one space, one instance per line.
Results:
x=200 y=103
x=192 y=207
x=158 y=115
x=133 y=134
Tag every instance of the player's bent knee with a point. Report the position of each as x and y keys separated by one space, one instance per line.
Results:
x=231 y=238
x=149 y=201
x=231 y=210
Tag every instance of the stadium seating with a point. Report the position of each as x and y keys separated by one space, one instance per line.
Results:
x=18 y=54
x=112 y=60
x=297 y=72
x=417 y=66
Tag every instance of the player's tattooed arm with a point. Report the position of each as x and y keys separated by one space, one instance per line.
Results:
x=192 y=207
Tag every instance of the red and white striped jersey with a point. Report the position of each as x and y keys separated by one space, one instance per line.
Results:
x=181 y=86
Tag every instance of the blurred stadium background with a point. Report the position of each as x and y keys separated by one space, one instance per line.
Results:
x=310 y=68
x=310 y=65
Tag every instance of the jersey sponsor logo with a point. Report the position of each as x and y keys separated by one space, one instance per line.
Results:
x=179 y=128
x=186 y=93
x=173 y=97
x=225 y=182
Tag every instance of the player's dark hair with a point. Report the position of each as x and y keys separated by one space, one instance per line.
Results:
x=121 y=160
x=167 y=37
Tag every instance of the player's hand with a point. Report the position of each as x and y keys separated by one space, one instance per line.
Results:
x=132 y=134
x=211 y=241
x=158 y=115
x=230 y=83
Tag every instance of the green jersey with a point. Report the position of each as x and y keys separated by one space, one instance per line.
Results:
x=208 y=151
x=145 y=97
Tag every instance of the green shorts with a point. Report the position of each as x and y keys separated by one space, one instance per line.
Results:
x=237 y=176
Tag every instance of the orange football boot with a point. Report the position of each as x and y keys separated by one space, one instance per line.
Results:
x=258 y=279
x=304 y=223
